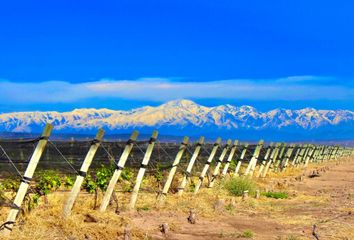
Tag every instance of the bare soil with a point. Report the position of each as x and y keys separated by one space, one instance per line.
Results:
x=326 y=201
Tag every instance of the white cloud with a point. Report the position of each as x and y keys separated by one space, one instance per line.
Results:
x=161 y=89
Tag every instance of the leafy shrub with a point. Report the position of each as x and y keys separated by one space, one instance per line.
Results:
x=32 y=201
x=48 y=181
x=236 y=186
x=69 y=182
x=158 y=173
x=89 y=184
x=2 y=194
x=144 y=208
x=100 y=180
x=232 y=165
x=103 y=176
x=276 y=195
x=10 y=184
x=127 y=174
x=127 y=187
x=246 y=234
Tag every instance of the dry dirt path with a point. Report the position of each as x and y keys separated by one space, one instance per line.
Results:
x=326 y=200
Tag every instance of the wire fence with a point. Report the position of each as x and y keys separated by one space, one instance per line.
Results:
x=67 y=156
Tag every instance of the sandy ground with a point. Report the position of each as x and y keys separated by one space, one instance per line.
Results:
x=326 y=201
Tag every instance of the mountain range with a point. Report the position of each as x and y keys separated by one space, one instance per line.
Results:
x=185 y=117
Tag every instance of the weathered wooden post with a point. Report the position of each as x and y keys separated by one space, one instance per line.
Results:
x=279 y=158
x=82 y=173
x=266 y=156
x=306 y=158
x=331 y=153
x=239 y=163
x=119 y=168
x=188 y=171
x=27 y=177
x=327 y=152
x=207 y=164
x=272 y=158
x=301 y=155
x=179 y=155
x=219 y=161
x=315 y=153
x=307 y=150
x=298 y=149
x=287 y=157
x=142 y=170
x=253 y=162
x=282 y=151
x=229 y=158
x=320 y=155
x=310 y=154
x=336 y=153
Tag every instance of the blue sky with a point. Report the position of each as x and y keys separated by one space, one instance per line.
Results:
x=60 y=55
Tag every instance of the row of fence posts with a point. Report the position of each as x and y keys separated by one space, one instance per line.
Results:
x=278 y=157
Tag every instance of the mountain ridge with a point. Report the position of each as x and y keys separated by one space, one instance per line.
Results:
x=185 y=116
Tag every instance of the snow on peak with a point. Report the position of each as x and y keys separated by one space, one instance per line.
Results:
x=177 y=114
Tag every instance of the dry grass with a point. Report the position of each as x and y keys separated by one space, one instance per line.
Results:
x=47 y=222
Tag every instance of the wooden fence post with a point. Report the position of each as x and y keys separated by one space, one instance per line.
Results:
x=280 y=158
x=229 y=158
x=239 y=163
x=119 y=168
x=142 y=170
x=309 y=155
x=333 y=148
x=336 y=153
x=321 y=153
x=303 y=158
x=272 y=158
x=296 y=155
x=287 y=157
x=255 y=157
x=219 y=162
x=188 y=171
x=27 y=177
x=82 y=173
x=179 y=155
x=207 y=164
x=316 y=154
x=300 y=155
x=253 y=162
x=266 y=156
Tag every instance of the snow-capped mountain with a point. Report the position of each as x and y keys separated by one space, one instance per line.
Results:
x=184 y=117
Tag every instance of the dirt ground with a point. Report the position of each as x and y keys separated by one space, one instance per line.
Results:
x=326 y=201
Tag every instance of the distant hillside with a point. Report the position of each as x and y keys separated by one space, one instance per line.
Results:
x=184 y=117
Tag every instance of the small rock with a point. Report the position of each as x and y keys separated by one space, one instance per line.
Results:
x=164 y=228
